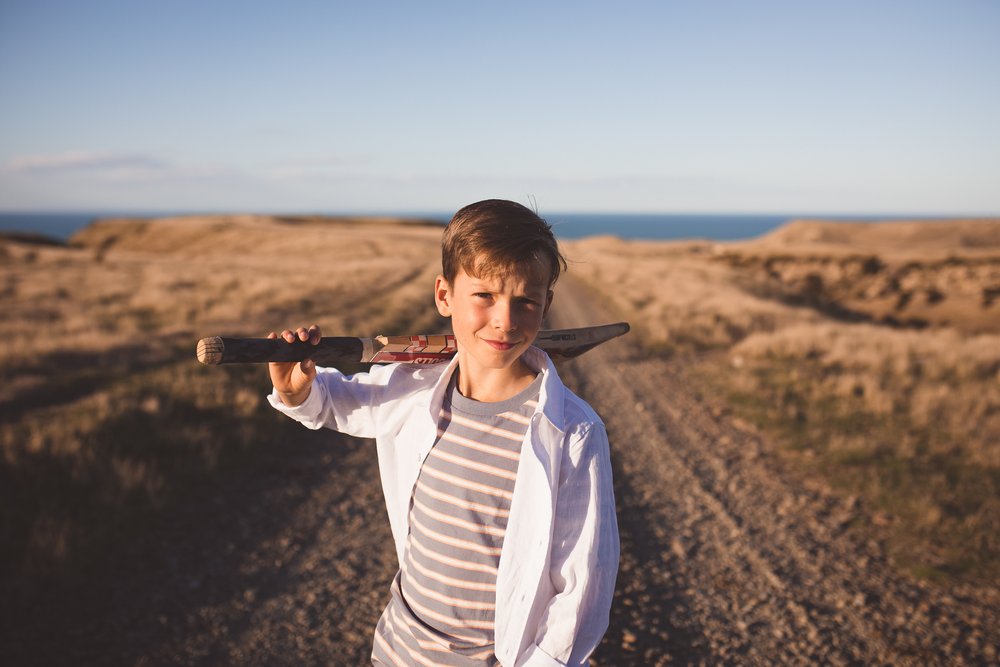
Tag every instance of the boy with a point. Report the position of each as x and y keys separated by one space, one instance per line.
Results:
x=497 y=478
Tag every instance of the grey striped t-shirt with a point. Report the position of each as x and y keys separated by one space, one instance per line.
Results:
x=442 y=604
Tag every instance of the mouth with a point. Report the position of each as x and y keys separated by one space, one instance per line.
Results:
x=500 y=345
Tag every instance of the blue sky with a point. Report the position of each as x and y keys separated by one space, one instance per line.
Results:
x=757 y=107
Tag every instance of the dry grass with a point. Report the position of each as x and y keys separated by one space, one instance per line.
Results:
x=926 y=240
x=105 y=412
x=105 y=415
x=870 y=353
x=909 y=420
x=674 y=295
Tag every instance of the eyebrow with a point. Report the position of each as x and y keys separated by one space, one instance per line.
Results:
x=478 y=285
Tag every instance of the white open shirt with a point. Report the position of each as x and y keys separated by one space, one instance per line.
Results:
x=559 y=559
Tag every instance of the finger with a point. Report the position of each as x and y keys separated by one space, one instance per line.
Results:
x=272 y=335
x=288 y=336
x=315 y=334
x=302 y=334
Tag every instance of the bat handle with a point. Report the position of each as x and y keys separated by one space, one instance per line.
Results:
x=330 y=350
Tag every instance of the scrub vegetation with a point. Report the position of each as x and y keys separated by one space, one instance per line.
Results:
x=786 y=412
x=106 y=415
x=870 y=353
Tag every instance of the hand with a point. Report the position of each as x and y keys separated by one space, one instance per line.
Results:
x=293 y=379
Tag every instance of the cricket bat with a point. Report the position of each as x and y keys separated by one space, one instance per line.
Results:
x=334 y=350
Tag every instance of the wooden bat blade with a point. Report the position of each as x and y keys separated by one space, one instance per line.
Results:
x=570 y=343
x=334 y=350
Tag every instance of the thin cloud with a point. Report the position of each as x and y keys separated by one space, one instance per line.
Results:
x=86 y=162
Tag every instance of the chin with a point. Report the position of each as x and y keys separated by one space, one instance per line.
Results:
x=504 y=359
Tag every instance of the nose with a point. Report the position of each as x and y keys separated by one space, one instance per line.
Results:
x=503 y=316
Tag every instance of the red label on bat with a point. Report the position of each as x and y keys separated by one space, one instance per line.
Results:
x=416 y=357
x=417 y=349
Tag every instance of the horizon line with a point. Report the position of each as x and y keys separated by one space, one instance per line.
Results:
x=418 y=213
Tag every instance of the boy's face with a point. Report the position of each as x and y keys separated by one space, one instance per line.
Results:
x=494 y=320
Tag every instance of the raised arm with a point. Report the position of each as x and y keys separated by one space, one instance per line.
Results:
x=293 y=380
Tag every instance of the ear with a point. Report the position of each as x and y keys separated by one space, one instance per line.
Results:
x=442 y=296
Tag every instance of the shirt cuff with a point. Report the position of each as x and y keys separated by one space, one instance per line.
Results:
x=308 y=409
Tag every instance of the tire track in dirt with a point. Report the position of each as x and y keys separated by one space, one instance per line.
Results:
x=747 y=565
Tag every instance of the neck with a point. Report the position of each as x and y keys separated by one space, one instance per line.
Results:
x=492 y=385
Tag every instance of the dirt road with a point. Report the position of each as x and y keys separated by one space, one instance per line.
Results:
x=725 y=559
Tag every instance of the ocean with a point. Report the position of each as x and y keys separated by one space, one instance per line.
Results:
x=720 y=227
x=656 y=226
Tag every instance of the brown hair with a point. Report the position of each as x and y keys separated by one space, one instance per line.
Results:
x=496 y=237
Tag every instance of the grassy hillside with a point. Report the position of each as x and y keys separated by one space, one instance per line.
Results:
x=869 y=352
x=106 y=414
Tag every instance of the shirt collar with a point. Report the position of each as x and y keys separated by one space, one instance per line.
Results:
x=551 y=396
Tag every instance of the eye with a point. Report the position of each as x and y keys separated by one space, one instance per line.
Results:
x=483 y=295
x=525 y=302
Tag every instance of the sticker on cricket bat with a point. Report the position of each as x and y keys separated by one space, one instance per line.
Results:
x=415 y=349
